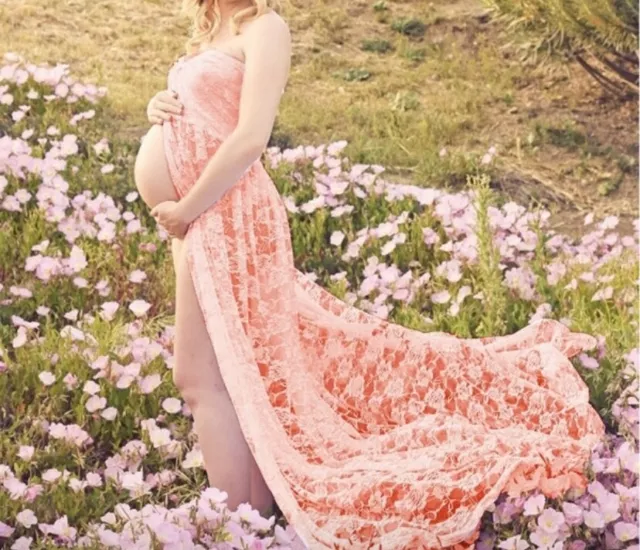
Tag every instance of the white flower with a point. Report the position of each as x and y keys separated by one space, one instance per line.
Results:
x=26 y=452
x=172 y=405
x=139 y=307
x=91 y=387
x=336 y=238
x=193 y=459
x=21 y=339
x=109 y=310
x=95 y=402
x=51 y=475
x=27 y=518
x=94 y=480
x=109 y=413
x=137 y=276
x=109 y=518
x=23 y=543
x=47 y=378
x=160 y=437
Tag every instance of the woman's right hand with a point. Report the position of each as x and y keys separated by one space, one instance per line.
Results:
x=162 y=106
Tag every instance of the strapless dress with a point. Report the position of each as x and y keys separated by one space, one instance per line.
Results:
x=368 y=434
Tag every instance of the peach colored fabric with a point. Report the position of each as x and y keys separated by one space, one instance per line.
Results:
x=369 y=435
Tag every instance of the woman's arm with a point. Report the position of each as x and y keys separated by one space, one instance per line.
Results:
x=267 y=63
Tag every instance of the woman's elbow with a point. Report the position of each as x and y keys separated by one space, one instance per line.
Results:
x=253 y=143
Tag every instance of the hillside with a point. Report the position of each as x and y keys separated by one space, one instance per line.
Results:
x=427 y=100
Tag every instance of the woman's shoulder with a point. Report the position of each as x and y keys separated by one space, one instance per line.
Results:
x=269 y=21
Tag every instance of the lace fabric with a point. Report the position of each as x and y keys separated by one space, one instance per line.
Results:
x=369 y=434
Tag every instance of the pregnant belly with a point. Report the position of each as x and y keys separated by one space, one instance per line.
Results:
x=151 y=173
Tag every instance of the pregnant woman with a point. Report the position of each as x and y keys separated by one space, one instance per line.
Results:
x=367 y=434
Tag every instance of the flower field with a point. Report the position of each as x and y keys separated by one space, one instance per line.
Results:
x=96 y=446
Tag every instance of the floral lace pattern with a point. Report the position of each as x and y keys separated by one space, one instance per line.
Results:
x=369 y=434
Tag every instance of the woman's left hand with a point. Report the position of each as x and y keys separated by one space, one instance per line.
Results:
x=170 y=216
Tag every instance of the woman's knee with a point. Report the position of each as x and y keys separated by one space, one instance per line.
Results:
x=197 y=381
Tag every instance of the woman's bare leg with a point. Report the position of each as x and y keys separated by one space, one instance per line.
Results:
x=261 y=497
x=226 y=454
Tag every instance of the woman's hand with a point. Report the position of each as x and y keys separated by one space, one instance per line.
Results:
x=171 y=216
x=162 y=106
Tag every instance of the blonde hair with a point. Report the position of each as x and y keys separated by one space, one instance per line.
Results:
x=205 y=15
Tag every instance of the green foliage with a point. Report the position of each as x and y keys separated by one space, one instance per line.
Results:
x=606 y=29
x=357 y=75
x=410 y=27
x=377 y=45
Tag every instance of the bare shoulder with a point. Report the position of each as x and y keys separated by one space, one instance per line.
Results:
x=267 y=27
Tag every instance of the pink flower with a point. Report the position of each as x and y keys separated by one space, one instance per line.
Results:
x=588 y=362
x=534 y=505
x=441 y=297
x=70 y=380
x=93 y=479
x=21 y=338
x=90 y=387
x=61 y=90
x=80 y=282
x=594 y=519
x=22 y=543
x=625 y=531
x=550 y=520
x=62 y=529
x=610 y=222
x=109 y=310
x=543 y=539
x=514 y=543
x=33 y=492
x=149 y=383
x=6 y=530
x=572 y=513
x=51 y=475
x=429 y=236
x=603 y=294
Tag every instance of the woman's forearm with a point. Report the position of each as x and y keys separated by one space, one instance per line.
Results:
x=227 y=165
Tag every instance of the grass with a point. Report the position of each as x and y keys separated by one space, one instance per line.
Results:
x=399 y=81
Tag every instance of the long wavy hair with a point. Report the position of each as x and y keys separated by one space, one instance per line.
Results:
x=206 y=18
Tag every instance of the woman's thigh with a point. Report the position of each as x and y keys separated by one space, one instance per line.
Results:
x=195 y=366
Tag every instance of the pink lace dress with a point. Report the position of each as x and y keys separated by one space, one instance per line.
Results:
x=369 y=434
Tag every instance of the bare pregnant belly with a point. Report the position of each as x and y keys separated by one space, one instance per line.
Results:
x=151 y=173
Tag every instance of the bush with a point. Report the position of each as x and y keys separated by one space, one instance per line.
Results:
x=602 y=35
